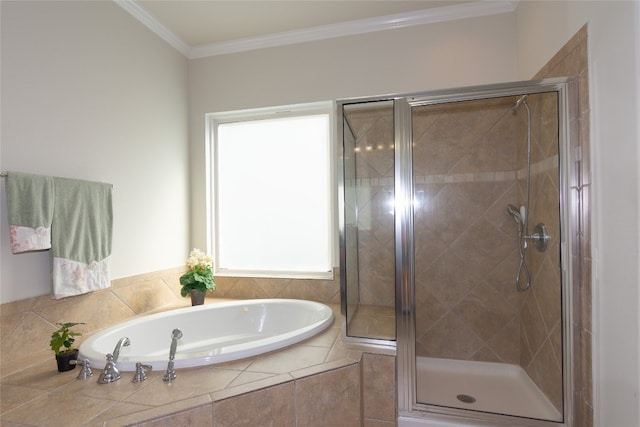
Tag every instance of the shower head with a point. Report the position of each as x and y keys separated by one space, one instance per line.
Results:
x=515 y=213
x=519 y=102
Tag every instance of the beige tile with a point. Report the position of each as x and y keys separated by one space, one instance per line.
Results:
x=341 y=351
x=324 y=367
x=14 y=396
x=30 y=335
x=189 y=383
x=450 y=338
x=288 y=360
x=547 y=292
x=249 y=377
x=146 y=296
x=373 y=322
x=118 y=390
x=118 y=412
x=547 y=374
x=58 y=409
x=379 y=387
x=42 y=376
x=506 y=343
x=377 y=423
x=273 y=406
x=194 y=408
x=329 y=399
x=237 y=390
x=533 y=324
x=485 y=311
x=200 y=416
x=97 y=310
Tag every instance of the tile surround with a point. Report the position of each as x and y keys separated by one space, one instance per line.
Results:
x=292 y=381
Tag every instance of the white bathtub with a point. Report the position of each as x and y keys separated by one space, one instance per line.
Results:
x=212 y=333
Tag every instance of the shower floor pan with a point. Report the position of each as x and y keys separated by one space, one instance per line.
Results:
x=481 y=386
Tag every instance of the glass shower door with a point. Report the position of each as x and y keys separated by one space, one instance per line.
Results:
x=482 y=344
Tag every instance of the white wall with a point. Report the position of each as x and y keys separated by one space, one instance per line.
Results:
x=615 y=141
x=451 y=54
x=89 y=93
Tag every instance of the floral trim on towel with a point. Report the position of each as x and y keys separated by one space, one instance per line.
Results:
x=25 y=239
x=75 y=278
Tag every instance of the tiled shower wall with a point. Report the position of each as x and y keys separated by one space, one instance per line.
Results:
x=465 y=169
x=470 y=162
x=541 y=325
x=572 y=60
x=465 y=161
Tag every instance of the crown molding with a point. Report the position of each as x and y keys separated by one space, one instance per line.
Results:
x=362 y=26
x=154 y=25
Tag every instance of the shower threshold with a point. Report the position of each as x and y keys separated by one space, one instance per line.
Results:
x=481 y=386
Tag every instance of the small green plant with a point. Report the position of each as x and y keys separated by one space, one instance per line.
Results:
x=62 y=340
x=200 y=274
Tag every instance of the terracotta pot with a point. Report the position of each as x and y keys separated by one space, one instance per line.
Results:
x=197 y=297
x=63 y=360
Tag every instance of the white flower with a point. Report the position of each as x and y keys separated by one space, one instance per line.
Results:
x=197 y=258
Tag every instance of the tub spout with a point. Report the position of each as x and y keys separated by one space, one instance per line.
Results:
x=110 y=372
x=170 y=375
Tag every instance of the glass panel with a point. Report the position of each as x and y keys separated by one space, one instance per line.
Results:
x=485 y=340
x=350 y=221
x=369 y=219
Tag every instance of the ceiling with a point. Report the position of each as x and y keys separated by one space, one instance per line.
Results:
x=208 y=27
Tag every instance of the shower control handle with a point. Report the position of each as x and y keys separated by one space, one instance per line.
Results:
x=540 y=237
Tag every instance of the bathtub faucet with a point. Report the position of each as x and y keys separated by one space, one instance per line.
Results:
x=110 y=372
x=170 y=375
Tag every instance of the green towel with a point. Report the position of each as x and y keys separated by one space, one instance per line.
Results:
x=81 y=236
x=30 y=204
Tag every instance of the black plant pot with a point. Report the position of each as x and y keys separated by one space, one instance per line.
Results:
x=63 y=360
x=197 y=297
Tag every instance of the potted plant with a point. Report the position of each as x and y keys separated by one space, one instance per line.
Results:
x=199 y=279
x=62 y=344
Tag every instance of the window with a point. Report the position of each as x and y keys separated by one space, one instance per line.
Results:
x=271 y=212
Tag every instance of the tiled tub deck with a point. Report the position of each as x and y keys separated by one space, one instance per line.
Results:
x=315 y=383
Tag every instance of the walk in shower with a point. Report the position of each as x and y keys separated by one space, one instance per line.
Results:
x=454 y=248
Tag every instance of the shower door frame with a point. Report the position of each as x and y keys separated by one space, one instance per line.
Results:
x=408 y=407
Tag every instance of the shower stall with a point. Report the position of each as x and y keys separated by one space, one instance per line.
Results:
x=455 y=248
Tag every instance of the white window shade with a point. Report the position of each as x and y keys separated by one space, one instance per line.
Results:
x=272 y=195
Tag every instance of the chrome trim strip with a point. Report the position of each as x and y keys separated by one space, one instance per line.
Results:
x=405 y=301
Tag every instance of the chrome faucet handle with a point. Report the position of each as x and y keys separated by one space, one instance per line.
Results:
x=110 y=373
x=86 y=369
x=140 y=374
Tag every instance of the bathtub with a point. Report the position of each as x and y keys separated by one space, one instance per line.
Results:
x=212 y=333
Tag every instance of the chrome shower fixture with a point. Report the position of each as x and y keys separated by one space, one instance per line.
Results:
x=515 y=213
x=170 y=375
x=519 y=102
